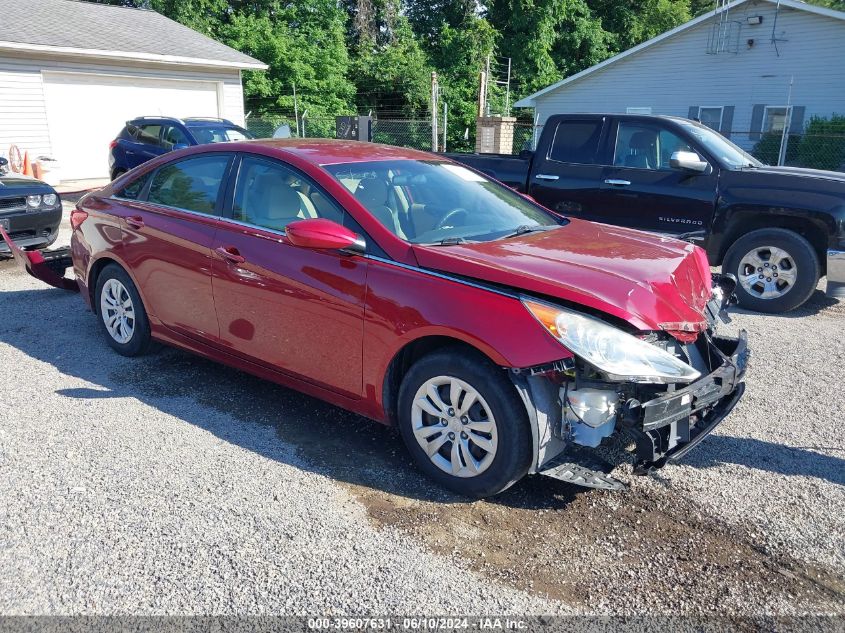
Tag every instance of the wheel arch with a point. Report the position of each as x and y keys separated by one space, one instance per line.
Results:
x=407 y=355
x=746 y=221
x=96 y=269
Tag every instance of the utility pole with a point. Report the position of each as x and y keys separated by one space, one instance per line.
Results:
x=445 y=119
x=482 y=93
x=508 y=91
x=434 y=100
x=784 y=139
x=486 y=87
x=295 y=109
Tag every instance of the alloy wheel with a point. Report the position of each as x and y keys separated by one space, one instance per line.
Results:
x=767 y=272
x=454 y=425
x=117 y=311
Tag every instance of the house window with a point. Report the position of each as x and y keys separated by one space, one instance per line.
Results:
x=774 y=119
x=638 y=110
x=711 y=117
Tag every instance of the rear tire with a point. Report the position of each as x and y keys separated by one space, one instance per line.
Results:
x=777 y=270
x=121 y=312
x=477 y=446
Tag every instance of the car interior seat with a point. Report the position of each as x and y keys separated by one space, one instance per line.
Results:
x=272 y=203
x=640 y=151
x=373 y=194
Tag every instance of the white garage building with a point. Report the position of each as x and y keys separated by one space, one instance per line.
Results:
x=72 y=73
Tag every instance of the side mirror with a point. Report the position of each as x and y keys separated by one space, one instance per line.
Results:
x=689 y=161
x=4 y=165
x=526 y=154
x=323 y=234
x=179 y=146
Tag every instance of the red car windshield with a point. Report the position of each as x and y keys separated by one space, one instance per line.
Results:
x=438 y=202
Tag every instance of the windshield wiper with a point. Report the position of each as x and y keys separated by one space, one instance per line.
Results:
x=448 y=241
x=529 y=228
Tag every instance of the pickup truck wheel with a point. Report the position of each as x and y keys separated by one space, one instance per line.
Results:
x=464 y=423
x=121 y=312
x=777 y=270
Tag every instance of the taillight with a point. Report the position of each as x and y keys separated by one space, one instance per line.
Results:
x=113 y=144
x=77 y=217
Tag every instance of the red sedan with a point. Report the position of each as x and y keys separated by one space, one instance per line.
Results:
x=501 y=338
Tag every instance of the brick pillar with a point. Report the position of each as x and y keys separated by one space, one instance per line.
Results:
x=494 y=134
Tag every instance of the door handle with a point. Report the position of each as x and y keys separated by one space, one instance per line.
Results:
x=230 y=254
x=547 y=177
x=135 y=221
x=617 y=183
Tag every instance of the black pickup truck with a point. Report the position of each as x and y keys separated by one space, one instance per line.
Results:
x=778 y=229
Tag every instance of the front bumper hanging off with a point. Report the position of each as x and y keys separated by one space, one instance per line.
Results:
x=48 y=265
x=674 y=423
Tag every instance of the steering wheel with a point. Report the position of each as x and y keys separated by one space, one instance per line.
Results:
x=449 y=215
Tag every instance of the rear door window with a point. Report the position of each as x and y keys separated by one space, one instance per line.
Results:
x=149 y=134
x=577 y=141
x=192 y=184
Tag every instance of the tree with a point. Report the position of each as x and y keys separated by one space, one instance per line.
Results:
x=389 y=68
x=630 y=22
x=548 y=39
x=303 y=43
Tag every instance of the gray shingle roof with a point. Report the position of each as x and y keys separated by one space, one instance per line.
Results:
x=86 y=25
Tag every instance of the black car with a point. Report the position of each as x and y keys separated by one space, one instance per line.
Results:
x=777 y=229
x=30 y=210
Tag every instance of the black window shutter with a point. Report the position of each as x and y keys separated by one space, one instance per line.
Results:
x=757 y=121
x=693 y=112
x=727 y=121
x=796 y=123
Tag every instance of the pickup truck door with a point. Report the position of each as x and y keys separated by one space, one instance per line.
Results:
x=566 y=172
x=642 y=190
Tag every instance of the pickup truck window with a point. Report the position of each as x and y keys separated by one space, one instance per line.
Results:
x=438 y=202
x=576 y=141
x=646 y=146
x=720 y=147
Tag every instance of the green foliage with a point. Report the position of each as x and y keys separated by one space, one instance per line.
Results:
x=767 y=149
x=630 y=22
x=347 y=56
x=823 y=143
x=390 y=69
x=303 y=43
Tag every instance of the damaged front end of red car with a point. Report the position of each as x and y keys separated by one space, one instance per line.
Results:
x=48 y=266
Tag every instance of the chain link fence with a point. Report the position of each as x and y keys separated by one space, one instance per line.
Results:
x=414 y=133
x=816 y=151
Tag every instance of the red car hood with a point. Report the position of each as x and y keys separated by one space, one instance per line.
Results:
x=650 y=281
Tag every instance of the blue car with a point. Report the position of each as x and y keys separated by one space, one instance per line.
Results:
x=148 y=136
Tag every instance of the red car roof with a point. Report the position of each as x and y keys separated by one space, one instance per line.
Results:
x=321 y=151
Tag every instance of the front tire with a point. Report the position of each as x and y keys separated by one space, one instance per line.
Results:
x=777 y=270
x=121 y=313
x=464 y=423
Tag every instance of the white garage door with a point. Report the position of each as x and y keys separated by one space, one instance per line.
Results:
x=85 y=113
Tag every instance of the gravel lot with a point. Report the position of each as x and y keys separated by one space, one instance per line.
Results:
x=170 y=484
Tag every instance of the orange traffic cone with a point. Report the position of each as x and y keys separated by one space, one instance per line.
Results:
x=27 y=168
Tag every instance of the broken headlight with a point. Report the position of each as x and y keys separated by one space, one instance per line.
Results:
x=619 y=355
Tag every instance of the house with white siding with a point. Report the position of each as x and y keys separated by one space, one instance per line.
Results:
x=72 y=73
x=745 y=68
